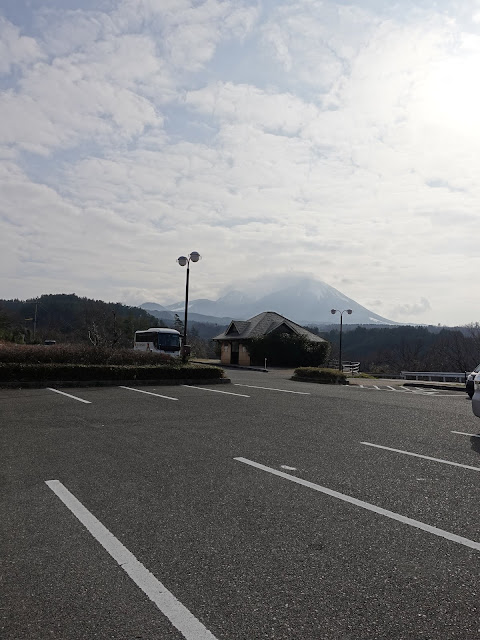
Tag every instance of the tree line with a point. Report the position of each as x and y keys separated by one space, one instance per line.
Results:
x=408 y=348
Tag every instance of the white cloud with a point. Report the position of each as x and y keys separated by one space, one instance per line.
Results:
x=16 y=49
x=351 y=155
x=315 y=42
x=271 y=111
x=188 y=32
x=412 y=309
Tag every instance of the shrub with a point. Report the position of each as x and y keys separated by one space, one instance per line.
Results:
x=316 y=374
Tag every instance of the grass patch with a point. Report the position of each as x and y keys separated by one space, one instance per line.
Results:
x=362 y=375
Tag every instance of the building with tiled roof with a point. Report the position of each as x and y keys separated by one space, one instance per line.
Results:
x=234 y=340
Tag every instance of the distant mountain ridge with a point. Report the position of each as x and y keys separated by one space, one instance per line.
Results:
x=163 y=313
x=304 y=300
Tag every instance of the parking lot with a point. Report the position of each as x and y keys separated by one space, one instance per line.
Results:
x=265 y=508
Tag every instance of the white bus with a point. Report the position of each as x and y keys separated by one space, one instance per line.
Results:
x=158 y=340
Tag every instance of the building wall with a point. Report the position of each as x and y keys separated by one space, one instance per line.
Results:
x=225 y=353
x=243 y=356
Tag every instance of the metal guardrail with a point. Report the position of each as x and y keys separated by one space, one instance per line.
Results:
x=351 y=367
x=435 y=376
x=347 y=366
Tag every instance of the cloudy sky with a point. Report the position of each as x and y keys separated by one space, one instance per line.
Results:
x=338 y=139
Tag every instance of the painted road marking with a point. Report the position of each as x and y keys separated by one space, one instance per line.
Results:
x=472 y=435
x=454 y=394
x=69 y=395
x=422 y=392
x=173 y=609
x=150 y=393
x=415 y=391
x=251 y=386
x=417 y=455
x=366 y=505
x=374 y=387
x=229 y=393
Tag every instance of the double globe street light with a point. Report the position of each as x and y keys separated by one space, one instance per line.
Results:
x=349 y=311
x=182 y=261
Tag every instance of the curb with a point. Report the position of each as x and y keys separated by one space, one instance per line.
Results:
x=317 y=381
x=230 y=366
x=434 y=385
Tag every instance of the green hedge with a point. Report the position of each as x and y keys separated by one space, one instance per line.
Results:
x=81 y=354
x=323 y=376
x=16 y=372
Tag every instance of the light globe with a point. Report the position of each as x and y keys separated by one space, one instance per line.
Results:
x=195 y=256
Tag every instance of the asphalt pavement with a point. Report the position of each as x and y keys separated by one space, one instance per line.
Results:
x=266 y=508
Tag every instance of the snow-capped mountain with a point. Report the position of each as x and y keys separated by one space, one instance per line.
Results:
x=303 y=299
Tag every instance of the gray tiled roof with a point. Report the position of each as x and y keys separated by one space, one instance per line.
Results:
x=261 y=325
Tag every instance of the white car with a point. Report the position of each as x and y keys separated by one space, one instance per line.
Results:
x=469 y=381
x=476 y=396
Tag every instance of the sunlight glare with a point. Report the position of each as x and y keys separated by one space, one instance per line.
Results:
x=455 y=94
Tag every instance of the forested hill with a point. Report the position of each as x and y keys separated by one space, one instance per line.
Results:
x=410 y=348
x=69 y=318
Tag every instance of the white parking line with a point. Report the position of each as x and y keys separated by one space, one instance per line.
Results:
x=69 y=395
x=462 y=433
x=417 y=455
x=173 y=609
x=422 y=392
x=366 y=505
x=448 y=395
x=229 y=393
x=150 y=393
x=251 y=386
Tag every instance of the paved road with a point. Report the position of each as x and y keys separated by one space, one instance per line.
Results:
x=331 y=512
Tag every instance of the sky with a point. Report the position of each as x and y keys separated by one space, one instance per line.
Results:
x=331 y=138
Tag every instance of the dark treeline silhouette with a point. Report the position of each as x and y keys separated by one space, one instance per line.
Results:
x=409 y=348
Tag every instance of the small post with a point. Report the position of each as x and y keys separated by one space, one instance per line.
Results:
x=35 y=321
x=265 y=364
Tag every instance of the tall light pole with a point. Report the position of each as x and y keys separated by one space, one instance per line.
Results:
x=349 y=311
x=182 y=261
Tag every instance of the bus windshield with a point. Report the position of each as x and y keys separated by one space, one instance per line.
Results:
x=168 y=340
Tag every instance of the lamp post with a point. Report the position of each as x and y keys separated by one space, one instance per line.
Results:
x=182 y=261
x=349 y=311
x=34 y=319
